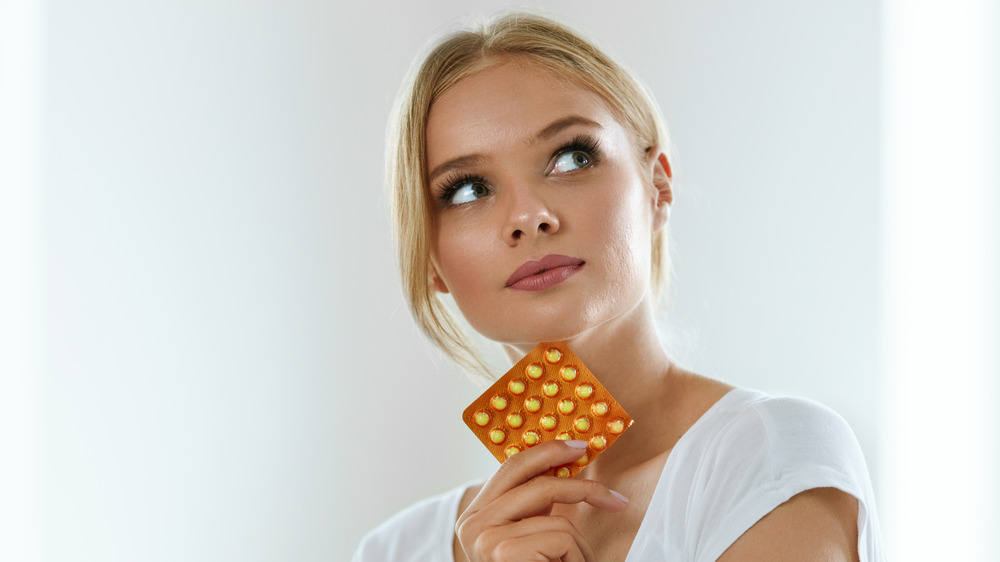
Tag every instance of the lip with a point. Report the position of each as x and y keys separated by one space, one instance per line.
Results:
x=545 y=273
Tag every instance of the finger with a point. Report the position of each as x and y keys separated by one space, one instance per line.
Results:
x=542 y=547
x=538 y=495
x=525 y=465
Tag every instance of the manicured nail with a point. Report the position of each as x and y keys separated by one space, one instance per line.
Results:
x=619 y=496
x=576 y=444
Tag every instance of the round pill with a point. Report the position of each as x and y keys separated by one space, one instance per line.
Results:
x=584 y=391
x=563 y=472
x=481 y=418
x=599 y=408
x=531 y=438
x=566 y=406
x=534 y=371
x=515 y=420
x=616 y=426
x=582 y=424
x=499 y=402
x=553 y=355
x=564 y=436
x=582 y=461
x=598 y=442
x=568 y=373
x=533 y=404
x=497 y=436
x=550 y=388
x=512 y=450
x=547 y=422
x=516 y=387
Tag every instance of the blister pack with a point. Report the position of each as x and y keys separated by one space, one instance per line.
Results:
x=549 y=394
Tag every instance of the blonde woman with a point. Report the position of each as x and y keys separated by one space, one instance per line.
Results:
x=532 y=183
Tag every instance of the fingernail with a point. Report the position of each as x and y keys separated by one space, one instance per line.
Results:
x=576 y=444
x=619 y=496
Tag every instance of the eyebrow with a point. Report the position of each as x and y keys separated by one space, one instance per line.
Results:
x=550 y=130
x=566 y=122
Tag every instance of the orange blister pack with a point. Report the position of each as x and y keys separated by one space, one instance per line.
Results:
x=549 y=394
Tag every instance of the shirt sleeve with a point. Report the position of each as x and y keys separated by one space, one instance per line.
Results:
x=772 y=451
x=422 y=532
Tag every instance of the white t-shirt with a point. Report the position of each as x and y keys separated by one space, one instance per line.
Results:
x=748 y=454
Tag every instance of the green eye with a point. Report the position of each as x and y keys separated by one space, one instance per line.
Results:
x=468 y=192
x=569 y=161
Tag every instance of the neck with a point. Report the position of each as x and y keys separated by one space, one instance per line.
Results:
x=626 y=355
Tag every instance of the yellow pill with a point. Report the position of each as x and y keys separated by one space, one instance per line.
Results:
x=497 y=436
x=531 y=438
x=515 y=420
x=512 y=450
x=553 y=355
x=547 y=422
x=516 y=387
x=562 y=472
x=582 y=424
x=584 y=391
x=550 y=389
x=499 y=402
x=481 y=418
x=534 y=371
x=533 y=404
x=598 y=442
x=568 y=373
x=616 y=426
x=582 y=461
x=599 y=408
x=564 y=436
x=566 y=406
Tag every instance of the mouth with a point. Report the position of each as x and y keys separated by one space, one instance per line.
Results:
x=545 y=273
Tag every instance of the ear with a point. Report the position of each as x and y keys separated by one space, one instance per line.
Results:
x=435 y=279
x=663 y=176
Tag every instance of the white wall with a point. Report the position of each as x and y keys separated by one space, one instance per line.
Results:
x=227 y=354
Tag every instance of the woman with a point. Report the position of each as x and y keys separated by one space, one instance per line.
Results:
x=532 y=183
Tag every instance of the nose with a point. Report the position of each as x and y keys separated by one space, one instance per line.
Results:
x=529 y=216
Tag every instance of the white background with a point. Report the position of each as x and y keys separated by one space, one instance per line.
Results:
x=226 y=368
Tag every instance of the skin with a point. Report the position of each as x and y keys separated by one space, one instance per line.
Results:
x=509 y=125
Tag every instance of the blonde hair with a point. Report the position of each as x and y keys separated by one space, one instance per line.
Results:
x=528 y=36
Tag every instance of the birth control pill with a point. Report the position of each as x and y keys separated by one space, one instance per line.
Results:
x=598 y=442
x=550 y=388
x=498 y=436
x=499 y=403
x=531 y=438
x=516 y=387
x=534 y=371
x=566 y=406
x=533 y=404
x=553 y=355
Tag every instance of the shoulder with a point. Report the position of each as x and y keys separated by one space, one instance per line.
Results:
x=422 y=531
x=782 y=437
x=757 y=451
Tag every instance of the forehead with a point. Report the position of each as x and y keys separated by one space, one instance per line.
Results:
x=506 y=104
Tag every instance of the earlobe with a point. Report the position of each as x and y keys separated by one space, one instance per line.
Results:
x=663 y=183
x=435 y=279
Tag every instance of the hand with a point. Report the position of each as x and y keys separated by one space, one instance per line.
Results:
x=511 y=517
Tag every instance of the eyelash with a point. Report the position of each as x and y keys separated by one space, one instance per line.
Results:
x=582 y=143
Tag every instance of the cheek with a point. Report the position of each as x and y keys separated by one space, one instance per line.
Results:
x=460 y=255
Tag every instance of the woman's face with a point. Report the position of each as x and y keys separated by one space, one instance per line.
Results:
x=543 y=210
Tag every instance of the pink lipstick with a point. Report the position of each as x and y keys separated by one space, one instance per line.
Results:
x=545 y=273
